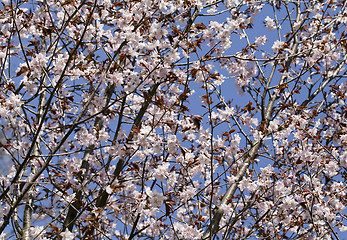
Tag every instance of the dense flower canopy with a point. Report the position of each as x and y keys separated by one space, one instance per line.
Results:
x=173 y=119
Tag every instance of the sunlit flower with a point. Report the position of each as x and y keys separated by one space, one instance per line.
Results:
x=261 y=40
x=270 y=23
x=156 y=199
x=278 y=45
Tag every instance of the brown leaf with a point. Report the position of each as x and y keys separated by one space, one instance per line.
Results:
x=196 y=120
x=22 y=70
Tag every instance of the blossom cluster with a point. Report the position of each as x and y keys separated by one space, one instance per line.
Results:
x=173 y=119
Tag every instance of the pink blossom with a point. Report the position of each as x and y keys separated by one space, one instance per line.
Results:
x=157 y=31
x=343 y=228
x=270 y=23
x=331 y=168
x=13 y=101
x=39 y=61
x=3 y=111
x=156 y=199
x=162 y=171
x=278 y=45
x=247 y=184
x=188 y=193
x=172 y=143
x=186 y=231
x=261 y=40
x=123 y=119
x=67 y=235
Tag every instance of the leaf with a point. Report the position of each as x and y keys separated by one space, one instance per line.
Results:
x=184 y=109
x=316 y=67
x=183 y=150
x=159 y=101
x=278 y=4
x=168 y=208
x=183 y=96
x=22 y=70
x=200 y=26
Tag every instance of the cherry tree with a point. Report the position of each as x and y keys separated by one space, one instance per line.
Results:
x=173 y=119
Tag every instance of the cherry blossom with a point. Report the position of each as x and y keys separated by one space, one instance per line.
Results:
x=67 y=235
x=270 y=23
x=181 y=119
x=278 y=45
x=261 y=40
